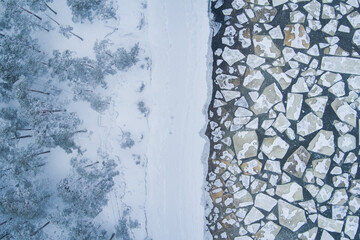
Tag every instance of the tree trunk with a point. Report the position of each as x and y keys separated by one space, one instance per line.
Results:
x=80 y=131
x=48 y=30
x=53 y=20
x=50 y=8
x=5 y=221
x=38 y=154
x=25 y=136
x=92 y=164
x=31 y=13
x=77 y=36
x=37 y=91
x=40 y=165
x=88 y=65
x=54 y=111
x=37 y=231
x=112 y=236
x=70 y=31
x=5 y=235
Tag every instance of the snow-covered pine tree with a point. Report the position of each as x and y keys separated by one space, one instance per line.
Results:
x=52 y=125
x=120 y=59
x=76 y=70
x=97 y=102
x=88 y=10
x=23 y=197
x=85 y=189
x=84 y=193
x=17 y=228
x=23 y=15
x=19 y=56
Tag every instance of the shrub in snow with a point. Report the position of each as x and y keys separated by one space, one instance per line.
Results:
x=142 y=108
x=127 y=141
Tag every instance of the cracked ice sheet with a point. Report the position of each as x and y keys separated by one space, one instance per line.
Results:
x=179 y=31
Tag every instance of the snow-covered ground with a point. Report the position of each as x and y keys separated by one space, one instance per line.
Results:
x=162 y=175
x=106 y=130
x=178 y=36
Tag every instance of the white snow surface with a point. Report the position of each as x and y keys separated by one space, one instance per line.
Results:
x=178 y=36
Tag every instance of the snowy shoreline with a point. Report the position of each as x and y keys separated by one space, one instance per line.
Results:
x=176 y=174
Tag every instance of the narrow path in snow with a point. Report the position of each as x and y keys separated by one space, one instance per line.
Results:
x=179 y=32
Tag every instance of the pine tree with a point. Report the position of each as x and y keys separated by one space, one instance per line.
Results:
x=24 y=200
x=85 y=189
x=52 y=125
x=90 y=9
x=19 y=56
x=97 y=102
x=23 y=197
x=76 y=70
x=22 y=15
x=40 y=5
x=121 y=59
x=15 y=228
